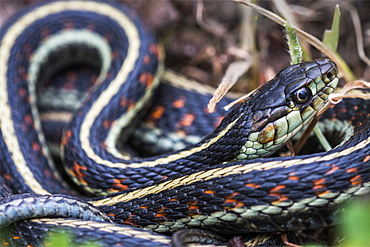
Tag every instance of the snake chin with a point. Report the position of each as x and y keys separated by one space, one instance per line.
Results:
x=337 y=132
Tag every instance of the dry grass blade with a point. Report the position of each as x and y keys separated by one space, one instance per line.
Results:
x=232 y=74
x=343 y=67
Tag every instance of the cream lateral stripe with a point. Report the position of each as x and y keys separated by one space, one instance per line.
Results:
x=172 y=157
x=218 y=172
x=7 y=124
x=121 y=77
x=105 y=227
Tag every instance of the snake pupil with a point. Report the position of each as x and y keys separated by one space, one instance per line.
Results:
x=329 y=75
x=302 y=95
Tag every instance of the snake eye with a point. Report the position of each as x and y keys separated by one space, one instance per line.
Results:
x=302 y=95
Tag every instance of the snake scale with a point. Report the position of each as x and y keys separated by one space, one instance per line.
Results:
x=224 y=183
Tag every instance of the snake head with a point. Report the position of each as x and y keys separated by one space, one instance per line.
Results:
x=287 y=103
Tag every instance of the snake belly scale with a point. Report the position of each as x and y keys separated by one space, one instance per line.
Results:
x=223 y=183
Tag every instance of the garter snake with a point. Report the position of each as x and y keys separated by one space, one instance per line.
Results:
x=212 y=184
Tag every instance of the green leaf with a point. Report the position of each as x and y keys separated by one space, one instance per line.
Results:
x=295 y=49
x=331 y=37
x=356 y=223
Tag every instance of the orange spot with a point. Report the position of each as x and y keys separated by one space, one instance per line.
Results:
x=193 y=207
x=367 y=158
x=8 y=177
x=333 y=169
x=129 y=221
x=319 y=182
x=209 y=192
x=173 y=200
x=277 y=188
x=293 y=178
x=281 y=199
x=158 y=112
x=316 y=187
x=106 y=124
x=16 y=237
x=187 y=120
x=351 y=170
x=356 y=180
x=230 y=199
x=77 y=172
x=112 y=215
x=66 y=137
x=179 y=103
x=146 y=78
x=253 y=185
x=117 y=184
x=160 y=212
x=324 y=193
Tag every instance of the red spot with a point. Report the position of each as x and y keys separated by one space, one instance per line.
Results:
x=114 y=55
x=36 y=146
x=218 y=121
x=68 y=25
x=108 y=36
x=8 y=177
x=90 y=26
x=146 y=59
x=154 y=49
x=45 y=32
x=28 y=119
